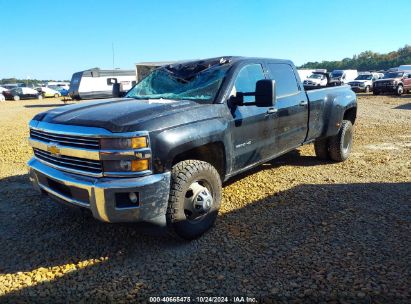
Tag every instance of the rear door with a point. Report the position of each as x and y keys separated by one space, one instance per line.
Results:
x=291 y=120
x=252 y=130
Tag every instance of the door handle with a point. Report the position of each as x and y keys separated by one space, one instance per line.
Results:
x=271 y=111
x=303 y=103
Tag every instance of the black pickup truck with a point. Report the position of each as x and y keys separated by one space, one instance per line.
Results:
x=160 y=154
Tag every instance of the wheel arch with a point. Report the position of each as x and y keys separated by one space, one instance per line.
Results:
x=350 y=114
x=212 y=153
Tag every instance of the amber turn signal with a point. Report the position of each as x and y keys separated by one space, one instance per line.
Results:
x=139 y=142
x=139 y=165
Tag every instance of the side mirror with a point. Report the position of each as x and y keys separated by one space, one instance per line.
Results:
x=265 y=93
x=116 y=90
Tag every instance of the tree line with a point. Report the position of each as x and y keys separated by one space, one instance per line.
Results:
x=27 y=82
x=366 y=61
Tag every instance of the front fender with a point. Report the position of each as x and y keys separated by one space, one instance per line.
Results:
x=167 y=144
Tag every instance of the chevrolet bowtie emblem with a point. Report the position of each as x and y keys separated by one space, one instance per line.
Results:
x=53 y=149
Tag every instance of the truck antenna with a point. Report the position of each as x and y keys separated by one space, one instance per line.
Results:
x=112 y=50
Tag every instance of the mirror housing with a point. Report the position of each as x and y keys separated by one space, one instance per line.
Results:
x=265 y=93
x=116 y=90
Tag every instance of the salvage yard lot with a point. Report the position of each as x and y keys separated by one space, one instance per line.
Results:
x=292 y=228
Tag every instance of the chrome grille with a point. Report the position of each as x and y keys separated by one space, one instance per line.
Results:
x=66 y=140
x=69 y=162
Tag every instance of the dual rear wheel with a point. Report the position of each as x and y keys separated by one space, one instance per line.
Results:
x=337 y=147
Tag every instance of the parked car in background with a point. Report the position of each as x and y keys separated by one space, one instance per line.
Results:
x=10 y=86
x=364 y=82
x=340 y=77
x=304 y=73
x=2 y=89
x=397 y=82
x=315 y=80
x=48 y=92
x=22 y=93
x=62 y=90
x=61 y=84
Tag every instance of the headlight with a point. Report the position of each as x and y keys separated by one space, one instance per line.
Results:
x=123 y=143
x=135 y=165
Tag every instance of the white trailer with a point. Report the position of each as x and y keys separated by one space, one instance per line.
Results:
x=96 y=83
x=144 y=68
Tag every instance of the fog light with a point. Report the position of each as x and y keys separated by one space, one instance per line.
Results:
x=127 y=200
x=133 y=197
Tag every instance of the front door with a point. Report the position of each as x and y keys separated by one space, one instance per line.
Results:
x=252 y=127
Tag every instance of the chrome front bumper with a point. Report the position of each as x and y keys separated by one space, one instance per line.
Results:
x=100 y=194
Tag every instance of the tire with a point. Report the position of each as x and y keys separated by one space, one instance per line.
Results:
x=400 y=90
x=321 y=148
x=340 y=145
x=367 y=89
x=16 y=98
x=56 y=95
x=195 y=197
x=40 y=97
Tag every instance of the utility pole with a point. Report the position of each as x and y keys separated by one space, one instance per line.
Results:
x=112 y=50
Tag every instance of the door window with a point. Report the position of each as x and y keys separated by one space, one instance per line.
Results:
x=286 y=82
x=246 y=80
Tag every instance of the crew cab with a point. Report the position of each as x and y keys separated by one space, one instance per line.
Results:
x=397 y=82
x=364 y=82
x=160 y=154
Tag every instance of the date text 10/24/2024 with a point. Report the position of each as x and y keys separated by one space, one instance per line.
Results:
x=206 y=299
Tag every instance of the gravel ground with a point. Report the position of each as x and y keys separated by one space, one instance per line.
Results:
x=293 y=229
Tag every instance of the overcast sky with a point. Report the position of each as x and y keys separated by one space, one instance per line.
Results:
x=54 y=39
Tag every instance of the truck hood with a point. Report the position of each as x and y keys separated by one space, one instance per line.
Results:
x=117 y=115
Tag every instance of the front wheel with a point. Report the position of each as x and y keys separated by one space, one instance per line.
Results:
x=16 y=97
x=195 y=197
x=39 y=97
x=400 y=90
x=340 y=145
x=56 y=95
x=367 y=89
